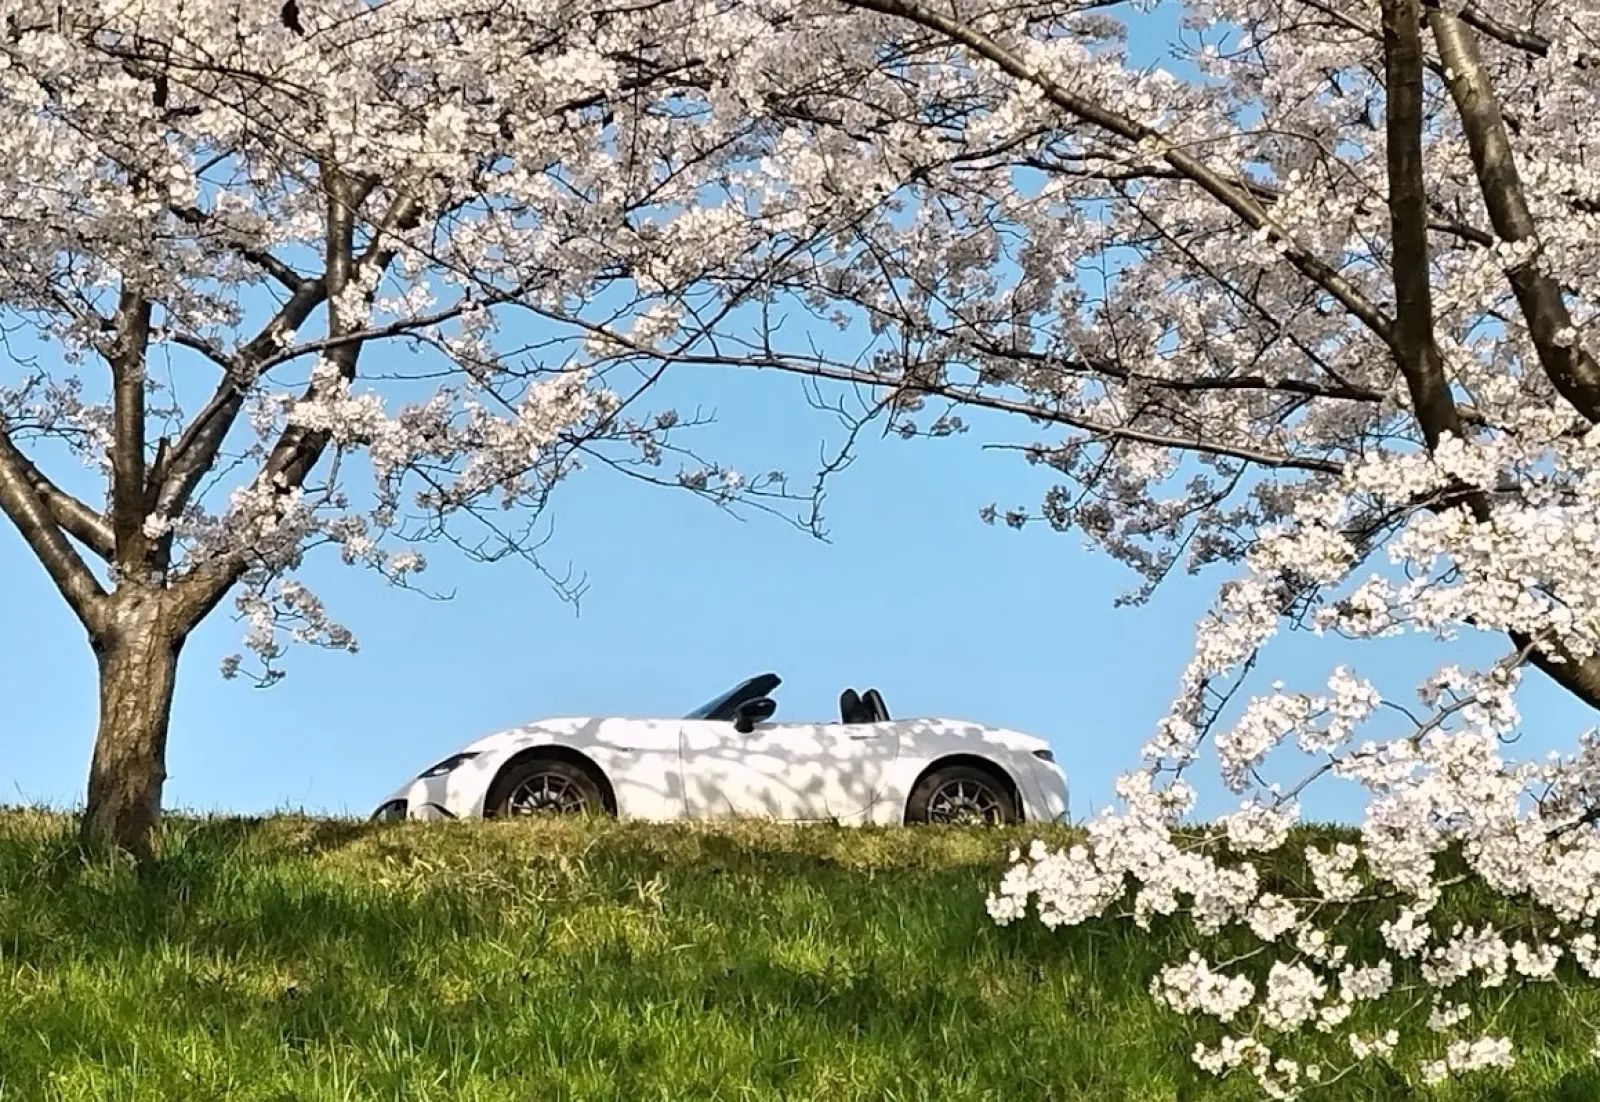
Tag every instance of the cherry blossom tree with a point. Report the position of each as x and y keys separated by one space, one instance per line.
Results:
x=1316 y=299
x=361 y=276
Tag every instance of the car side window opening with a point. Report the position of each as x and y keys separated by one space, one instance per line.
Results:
x=854 y=707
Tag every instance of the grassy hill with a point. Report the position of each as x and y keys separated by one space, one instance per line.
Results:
x=295 y=959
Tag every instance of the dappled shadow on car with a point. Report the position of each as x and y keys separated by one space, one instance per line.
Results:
x=856 y=771
x=778 y=772
x=599 y=745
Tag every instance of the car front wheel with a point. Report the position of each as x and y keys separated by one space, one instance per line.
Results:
x=962 y=795
x=546 y=787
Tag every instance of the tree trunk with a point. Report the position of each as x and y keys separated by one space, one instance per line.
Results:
x=138 y=659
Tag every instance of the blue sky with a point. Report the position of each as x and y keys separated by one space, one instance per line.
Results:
x=914 y=595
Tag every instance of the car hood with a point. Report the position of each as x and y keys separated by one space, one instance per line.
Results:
x=561 y=727
x=961 y=730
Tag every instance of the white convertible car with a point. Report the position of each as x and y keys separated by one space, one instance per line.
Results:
x=727 y=759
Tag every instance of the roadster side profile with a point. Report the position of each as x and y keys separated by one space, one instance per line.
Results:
x=728 y=759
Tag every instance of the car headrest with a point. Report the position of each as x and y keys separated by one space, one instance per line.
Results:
x=850 y=709
x=872 y=699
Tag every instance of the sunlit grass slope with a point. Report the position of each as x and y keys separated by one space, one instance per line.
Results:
x=294 y=959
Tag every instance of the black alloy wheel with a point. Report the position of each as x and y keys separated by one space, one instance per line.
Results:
x=962 y=795
x=544 y=787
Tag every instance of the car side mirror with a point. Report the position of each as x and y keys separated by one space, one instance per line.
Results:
x=752 y=712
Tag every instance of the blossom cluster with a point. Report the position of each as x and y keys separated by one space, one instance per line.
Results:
x=1440 y=786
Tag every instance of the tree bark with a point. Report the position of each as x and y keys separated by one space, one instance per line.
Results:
x=138 y=658
x=1416 y=351
x=1574 y=373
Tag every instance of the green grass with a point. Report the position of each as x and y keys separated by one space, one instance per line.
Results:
x=295 y=959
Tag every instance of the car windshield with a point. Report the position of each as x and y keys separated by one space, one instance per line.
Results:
x=712 y=706
x=722 y=707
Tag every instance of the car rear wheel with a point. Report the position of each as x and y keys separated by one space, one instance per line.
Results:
x=962 y=795
x=543 y=787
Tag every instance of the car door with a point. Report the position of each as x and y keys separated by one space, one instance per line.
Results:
x=786 y=771
x=641 y=758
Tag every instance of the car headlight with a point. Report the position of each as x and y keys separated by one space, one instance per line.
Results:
x=392 y=812
x=1045 y=755
x=447 y=765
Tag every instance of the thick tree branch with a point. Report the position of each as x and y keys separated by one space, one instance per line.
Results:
x=1474 y=16
x=1573 y=371
x=286 y=467
x=1471 y=14
x=131 y=341
x=298 y=450
x=28 y=512
x=174 y=482
x=261 y=258
x=1415 y=349
x=1339 y=13
x=69 y=514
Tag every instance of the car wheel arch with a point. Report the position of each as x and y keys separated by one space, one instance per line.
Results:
x=550 y=752
x=971 y=761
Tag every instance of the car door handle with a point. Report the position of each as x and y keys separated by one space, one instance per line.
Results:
x=872 y=735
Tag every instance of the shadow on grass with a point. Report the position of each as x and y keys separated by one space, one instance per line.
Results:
x=279 y=948
x=261 y=960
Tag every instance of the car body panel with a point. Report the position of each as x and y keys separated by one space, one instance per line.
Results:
x=673 y=769
x=791 y=772
x=926 y=743
x=641 y=759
